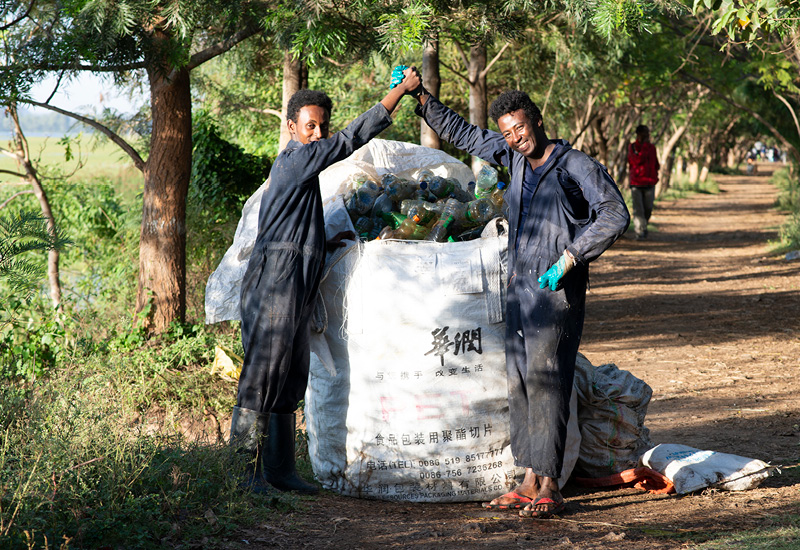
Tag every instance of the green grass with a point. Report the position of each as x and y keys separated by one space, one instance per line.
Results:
x=81 y=465
x=785 y=537
x=101 y=160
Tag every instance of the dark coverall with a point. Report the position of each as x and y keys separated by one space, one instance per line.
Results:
x=280 y=285
x=576 y=206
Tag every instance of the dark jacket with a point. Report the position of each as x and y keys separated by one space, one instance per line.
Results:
x=555 y=222
x=291 y=208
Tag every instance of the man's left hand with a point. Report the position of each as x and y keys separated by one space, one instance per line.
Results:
x=557 y=271
x=336 y=241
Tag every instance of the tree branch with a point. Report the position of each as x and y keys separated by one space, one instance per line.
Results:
x=15 y=195
x=455 y=72
x=774 y=131
x=124 y=145
x=18 y=19
x=791 y=111
x=221 y=47
x=485 y=71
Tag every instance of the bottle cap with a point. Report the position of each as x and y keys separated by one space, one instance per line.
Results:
x=501 y=185
x=423 y=185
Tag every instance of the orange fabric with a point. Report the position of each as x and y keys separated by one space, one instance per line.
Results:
x=643 y=478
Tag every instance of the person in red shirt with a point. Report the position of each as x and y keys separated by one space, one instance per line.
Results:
x=643 y=163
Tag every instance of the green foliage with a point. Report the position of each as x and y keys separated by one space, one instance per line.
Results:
x=223 y=174
x=76 y=467
x=20 y=234
x=789 y=201
x=749 y=20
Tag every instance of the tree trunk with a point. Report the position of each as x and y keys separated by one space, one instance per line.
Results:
x=432 y=82
x=679 y=166
x=694 y=171
x=32 y=175
x=161 y=295
x=600 y=140
x=478 y=105
x=667 y=152
x=292 y=82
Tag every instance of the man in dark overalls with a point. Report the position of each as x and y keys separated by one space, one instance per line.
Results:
x=564 y=210
x=280 y=285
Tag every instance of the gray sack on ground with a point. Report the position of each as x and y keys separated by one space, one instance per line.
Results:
x=612 y=404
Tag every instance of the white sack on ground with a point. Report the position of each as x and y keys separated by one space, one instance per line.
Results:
x=692 y=469
x=417 y=409
x=376 y=158
x=612 y=404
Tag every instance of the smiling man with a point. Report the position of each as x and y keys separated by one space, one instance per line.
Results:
x=280 y=285
x=564 y=210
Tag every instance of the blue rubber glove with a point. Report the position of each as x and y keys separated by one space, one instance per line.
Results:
x=553 y=275
x=397 y=76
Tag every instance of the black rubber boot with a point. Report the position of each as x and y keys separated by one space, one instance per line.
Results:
x=248 y=434
x=279 y=456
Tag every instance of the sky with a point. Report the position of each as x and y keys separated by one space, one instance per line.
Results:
x=86 y=93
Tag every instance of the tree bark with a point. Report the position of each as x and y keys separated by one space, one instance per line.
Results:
x=32 y=175
x=667 y=152
x=292 y=82
x=161 y=295
x=478 y=105
x=432 y=82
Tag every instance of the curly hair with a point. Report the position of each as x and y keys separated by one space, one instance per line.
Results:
x=514 y=100
x=304 y=97
x=642 y=128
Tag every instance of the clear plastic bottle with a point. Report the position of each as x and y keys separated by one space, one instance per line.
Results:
x=497 y=195
x=382 y=205
x=386 y=233
x=410 y=230
x=408 y=204
x=485 y=182
x=363 y=226
x=459 y=193
x=362 y=200
x=397 y=189
x=440 y=230
x=440 y=187
x=481 y=211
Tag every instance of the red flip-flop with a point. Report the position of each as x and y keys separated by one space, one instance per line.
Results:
x=554 y=509
x=519 y=502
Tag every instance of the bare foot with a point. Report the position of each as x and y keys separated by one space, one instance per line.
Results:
x=522 y=495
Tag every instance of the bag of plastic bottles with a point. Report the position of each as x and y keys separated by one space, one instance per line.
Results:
x=407 y=397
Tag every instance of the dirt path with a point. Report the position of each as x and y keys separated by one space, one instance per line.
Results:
x=709 y=320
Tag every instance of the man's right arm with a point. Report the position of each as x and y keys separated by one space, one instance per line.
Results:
x=451 y=127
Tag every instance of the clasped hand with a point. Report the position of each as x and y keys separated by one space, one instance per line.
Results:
x=408 y=78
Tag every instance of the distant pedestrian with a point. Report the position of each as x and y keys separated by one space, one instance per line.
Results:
x=644 y=166
x=752 y=157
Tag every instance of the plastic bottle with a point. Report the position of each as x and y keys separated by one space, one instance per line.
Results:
x=485 y=182
x=382 y=205
x=363 y=226
x=362 y=200
x=377 y=227
x=439 y=230
x=394 y=219
x=397 y=189
x=410 y=230
x=417 y=211
x=386 y=233
x=497 y=195
x=459 y=192
x=481 y=211
x=408 y=204
x=440 y=187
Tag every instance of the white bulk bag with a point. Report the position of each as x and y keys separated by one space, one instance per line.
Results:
x=692 y=469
